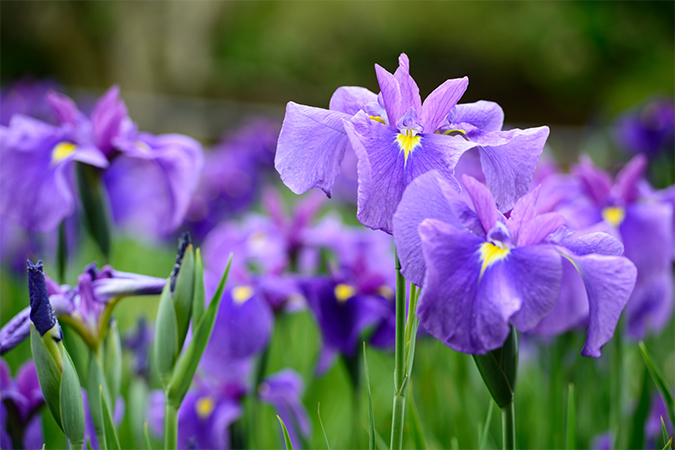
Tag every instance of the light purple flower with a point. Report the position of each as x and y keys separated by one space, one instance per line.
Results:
x=397 y=137
x=480 y=271
x=641 y=219
x=22 y=400
x=26 y=97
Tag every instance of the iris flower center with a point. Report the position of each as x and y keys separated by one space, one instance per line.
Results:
x=242 y=293
x=204 y=407
x=62 y=150
x=407 y=142
x=614 y=215
x=490 y=254
x=343 y=292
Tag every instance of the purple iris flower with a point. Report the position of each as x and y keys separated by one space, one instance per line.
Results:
x=84 y=302
x=26 y=97
x=657 y=411
x=150 y=179
x=140 y=343
x=36 y=175
x=604 y=441
x=641 y=219
x=20 y=423
x=649 y=129
x=480 y=271
x=397 y=137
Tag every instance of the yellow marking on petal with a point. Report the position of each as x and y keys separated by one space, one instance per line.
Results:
x=378 y=119
x=204 y=407
x=62 y=150
x=490 y=254
x=407 y=142
x=257 y=240
x=454 y=131
x=242 y=293
x=614 y=215
x=142 y=146
x=344 y=292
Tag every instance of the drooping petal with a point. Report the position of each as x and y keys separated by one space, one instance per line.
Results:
x=571 y=306
x=15 y=331
x=450 y=307
x=487 y=116
x=650 y=306
x=509 y=159
x=596 y=182
x=427 y=197
x=90 y=155
x=440 y=102
x=311 y=147
x=647 y=237
x=482 y=201
x=535 y=273
x=385 y=171
x=351 y=99
x=626 y=185
x=598 y=242
x=609 y=281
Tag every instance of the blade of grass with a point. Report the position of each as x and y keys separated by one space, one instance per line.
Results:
x=287 y=438
x=371 y=415
x=146 y=437
x=482 y=444
x=318 y=411
x=664 y=431
x=658 y=380
x=417 y=433
x=570 y=436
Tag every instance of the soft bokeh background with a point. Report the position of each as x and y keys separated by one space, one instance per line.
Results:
x=200 y=68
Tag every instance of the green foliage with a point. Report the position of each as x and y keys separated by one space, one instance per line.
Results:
x=659 y=381
x=166 y=336
x=109 y=431
x=287 y=438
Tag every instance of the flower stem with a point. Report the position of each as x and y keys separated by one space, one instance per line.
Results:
x=399 y=363
x=170 y=426
x=508 y=427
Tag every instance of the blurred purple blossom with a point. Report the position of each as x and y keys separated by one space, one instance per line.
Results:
x=647 y=129
x=26 y=97
x=20 y=422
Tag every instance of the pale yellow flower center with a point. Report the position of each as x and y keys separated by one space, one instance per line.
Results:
x=242 y=293
x=490 y=254
x=408 y=142
x=205 y=407
x=344 y=292
x=614 y=215
x=62 y=150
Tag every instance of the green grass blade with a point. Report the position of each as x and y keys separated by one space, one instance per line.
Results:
x=111 y=440
x=664 y=431
x=454 y=443
x=146 y=437
x=287 y=438
x=417 y=434
x=658 y=380
x=318 y=411
x=381 y=444
x=482 y=443
x=667 y=446
x=570 y=437
x=371 y=414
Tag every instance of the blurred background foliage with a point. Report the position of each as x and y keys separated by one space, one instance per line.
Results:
x=199 y=67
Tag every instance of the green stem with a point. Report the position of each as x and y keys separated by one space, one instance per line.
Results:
x=616 y=387
x=399 y=362
x=170 y=426
x=508 y=427
x=62 y=253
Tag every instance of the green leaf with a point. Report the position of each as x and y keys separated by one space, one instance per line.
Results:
x=49 y=374
x=641 y=413
x=89 y=447
x=371 y=414
x=146 y=437
x=381 y=444
x=482 y=443
x=112 y=361
x=182 y=294
x=199 y=296
x=287 y=438
x=418 y=438
x=499 y=369
x=570 y=437
x=166 y=336
x=94 y=204
x=664 y=431
x=187 y=364
x=111 y=440
x=318 y=411
x=72 y=408
x=95 y=380
x=454 y=443
x=658 y=380
x=668 y=444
